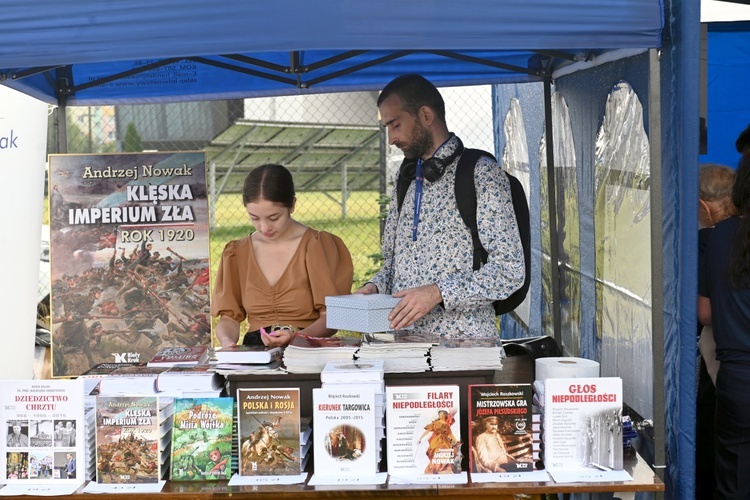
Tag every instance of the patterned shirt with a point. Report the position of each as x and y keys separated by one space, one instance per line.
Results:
x=443 y=254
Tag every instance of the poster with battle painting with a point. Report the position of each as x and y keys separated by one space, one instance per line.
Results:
x=129 y=257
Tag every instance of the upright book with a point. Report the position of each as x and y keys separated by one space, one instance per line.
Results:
x=269 y=432
x=128 y=257
x=127 y=439
x=500 y=428
x=583 y=424
x=423 y=430
x=344 y=431
x=202 y=439
x=45 y=431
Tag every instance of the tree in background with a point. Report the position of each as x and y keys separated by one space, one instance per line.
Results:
x=132 y=142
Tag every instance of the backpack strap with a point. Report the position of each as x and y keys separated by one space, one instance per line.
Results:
x=466 y=199
x=402 y=186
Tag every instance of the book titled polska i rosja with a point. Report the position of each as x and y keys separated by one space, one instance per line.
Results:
x=269 y=431
x=127 y=439
x=128 y=257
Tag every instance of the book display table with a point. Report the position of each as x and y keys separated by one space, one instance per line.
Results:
x=516 y=370
x=644 y=479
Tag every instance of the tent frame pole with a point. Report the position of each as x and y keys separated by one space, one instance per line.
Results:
x=657 y=255
x=551 y=195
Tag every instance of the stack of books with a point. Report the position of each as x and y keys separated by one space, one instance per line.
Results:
x=467 y=354
x=400 y=353
x=166 y=382
x=166 y=419
x=310 y=354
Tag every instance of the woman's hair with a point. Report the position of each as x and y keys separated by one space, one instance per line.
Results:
x=269 y=182
x=715 y=184
x=740 y=260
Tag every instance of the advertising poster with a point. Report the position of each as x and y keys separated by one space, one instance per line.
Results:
x=129 y=257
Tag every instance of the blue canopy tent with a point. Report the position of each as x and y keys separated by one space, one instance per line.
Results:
x=91 y=52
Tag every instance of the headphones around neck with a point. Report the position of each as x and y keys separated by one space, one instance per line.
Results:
x=433 y=168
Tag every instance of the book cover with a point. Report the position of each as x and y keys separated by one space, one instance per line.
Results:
x=344 y=441
x=583 y=424
x=307 y=342
x=128 y=257
x=268 y=432
x=423 y=430
x=248 y=354
x=202 y=439
x=171 y=356
x=127 y=439
x=133 y=379
x=189 y=378
x=44 y=431
x=353 y=371
x=500 y=428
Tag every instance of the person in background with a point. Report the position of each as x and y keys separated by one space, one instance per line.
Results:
x=70 y=466
x=714 y=205
x=17 y=438
x=743 y=142
x=724 y=303
x=427 y=248
x=278 y=276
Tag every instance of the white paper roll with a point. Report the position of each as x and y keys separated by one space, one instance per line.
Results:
x=565 y=367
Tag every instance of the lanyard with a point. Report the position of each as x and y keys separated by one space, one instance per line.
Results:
x=417 y=198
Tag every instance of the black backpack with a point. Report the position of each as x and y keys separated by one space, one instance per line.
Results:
x=466 y=198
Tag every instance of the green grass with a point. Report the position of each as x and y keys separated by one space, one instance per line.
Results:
x=360 y=229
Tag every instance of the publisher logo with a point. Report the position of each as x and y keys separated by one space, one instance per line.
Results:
x=9 y=140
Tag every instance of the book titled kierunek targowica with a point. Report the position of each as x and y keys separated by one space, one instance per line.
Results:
x=128 y=257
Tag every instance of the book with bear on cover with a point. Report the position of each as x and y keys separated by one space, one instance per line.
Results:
x=127 y=439
x=269 y=432
x=500 y=428
x=202 y=439
x=423 y=433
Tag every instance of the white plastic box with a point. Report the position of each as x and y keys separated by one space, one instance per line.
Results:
x=360 y=313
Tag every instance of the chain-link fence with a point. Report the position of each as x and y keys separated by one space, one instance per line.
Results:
x=333 y=144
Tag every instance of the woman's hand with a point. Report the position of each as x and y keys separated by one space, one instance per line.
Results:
x=277 y=338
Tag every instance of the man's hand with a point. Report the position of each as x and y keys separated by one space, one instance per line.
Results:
x=415 y=303
x=367 y=289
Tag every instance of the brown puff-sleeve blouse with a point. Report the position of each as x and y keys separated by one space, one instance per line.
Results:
x=320 y=267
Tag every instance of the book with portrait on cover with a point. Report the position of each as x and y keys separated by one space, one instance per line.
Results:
x=45 y=436
x=500 y=428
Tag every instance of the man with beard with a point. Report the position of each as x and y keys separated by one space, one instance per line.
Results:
x=427 y=249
